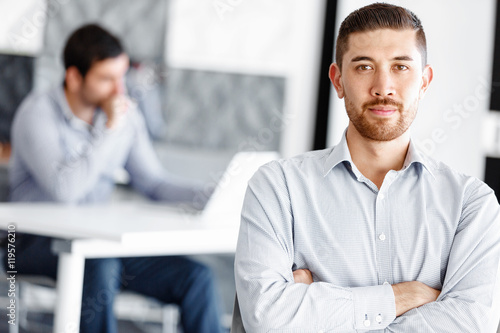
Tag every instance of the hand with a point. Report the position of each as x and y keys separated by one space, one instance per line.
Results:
x=115 y=109
x=410 y=295
x=303 y=276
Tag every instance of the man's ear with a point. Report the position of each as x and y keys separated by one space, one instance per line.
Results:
x=427 y=76
x=336 y=78
x=73 y=79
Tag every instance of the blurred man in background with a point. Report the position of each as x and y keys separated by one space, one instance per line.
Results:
x=67 y=143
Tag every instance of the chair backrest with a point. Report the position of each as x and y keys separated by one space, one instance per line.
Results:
x=237 y=323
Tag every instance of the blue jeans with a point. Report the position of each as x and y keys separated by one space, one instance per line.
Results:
x=171 y=279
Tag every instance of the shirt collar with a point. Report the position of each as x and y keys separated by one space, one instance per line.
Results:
x=414 y=155
x=340 y=153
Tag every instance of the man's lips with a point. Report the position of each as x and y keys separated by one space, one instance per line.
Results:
x=382 y=110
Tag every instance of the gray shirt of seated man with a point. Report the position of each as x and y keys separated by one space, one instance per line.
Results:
x=370 y=235
x=59 y=157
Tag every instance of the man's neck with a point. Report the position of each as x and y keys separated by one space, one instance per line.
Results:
x=80 y=109
x=375 y=158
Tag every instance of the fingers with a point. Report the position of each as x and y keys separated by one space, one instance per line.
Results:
x=303 y=276
x=434 y=294
x=116 y=108
x=427 y=293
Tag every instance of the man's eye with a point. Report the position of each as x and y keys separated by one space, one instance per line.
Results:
x=364 y=67
x=401 y=67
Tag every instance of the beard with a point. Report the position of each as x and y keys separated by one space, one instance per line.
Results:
x=90 y=97
x=381 y=129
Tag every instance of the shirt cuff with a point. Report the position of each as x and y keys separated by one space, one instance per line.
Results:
x=374 y=307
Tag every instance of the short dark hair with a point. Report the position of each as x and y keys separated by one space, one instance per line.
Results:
x=88 y=44
x=379 y=16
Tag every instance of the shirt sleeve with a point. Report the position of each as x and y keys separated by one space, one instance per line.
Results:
x=149 y=177
x=268 y=297
x=469 y=300
x=38 y=138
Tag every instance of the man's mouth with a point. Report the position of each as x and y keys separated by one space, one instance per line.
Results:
x=382 y=110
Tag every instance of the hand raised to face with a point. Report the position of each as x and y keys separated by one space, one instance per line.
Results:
x=115 y=108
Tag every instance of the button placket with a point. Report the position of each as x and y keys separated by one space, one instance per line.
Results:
x=382 y=241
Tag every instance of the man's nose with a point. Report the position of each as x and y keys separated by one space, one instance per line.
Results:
x=383 y=84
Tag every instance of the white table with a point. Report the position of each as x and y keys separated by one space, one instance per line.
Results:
x=116 y=230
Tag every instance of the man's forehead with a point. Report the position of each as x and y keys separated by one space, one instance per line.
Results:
x=118 y=63
x=383 y=41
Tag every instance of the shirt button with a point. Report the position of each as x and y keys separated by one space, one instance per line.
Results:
x=366 y=323
x=321 y=331
x=381 y=237
x=385 y=283
x=381 y=196
x=378 y=319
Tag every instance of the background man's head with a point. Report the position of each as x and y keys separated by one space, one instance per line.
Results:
x=379 y=16
x=90 y=44
x=96 y=64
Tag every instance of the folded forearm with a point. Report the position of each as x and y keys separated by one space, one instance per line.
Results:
x=319 y=306
x=449 y=315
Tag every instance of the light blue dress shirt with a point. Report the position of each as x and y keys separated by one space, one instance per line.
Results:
x=427 y=223
x=60 y=158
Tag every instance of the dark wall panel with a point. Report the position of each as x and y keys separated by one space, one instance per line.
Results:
x=16 y=81
x=324 y=85
x=495 y=79
x=492 y=174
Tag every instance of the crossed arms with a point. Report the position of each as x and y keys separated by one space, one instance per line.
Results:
x=407 y=295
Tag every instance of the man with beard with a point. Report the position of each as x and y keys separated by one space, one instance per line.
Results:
x=66 y=145
x=370 y=234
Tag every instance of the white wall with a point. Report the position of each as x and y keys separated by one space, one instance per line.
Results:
x=242 y=36
x=22 y=26
x=279 y=37
x=302 y=85
x=460 y=36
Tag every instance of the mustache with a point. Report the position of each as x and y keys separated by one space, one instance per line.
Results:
x=383 y=101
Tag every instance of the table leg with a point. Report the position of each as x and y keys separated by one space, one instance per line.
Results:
x=69 y=293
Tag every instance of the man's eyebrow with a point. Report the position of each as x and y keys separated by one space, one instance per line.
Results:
x=361 y=58
x=404 y=58
x=365 y=58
